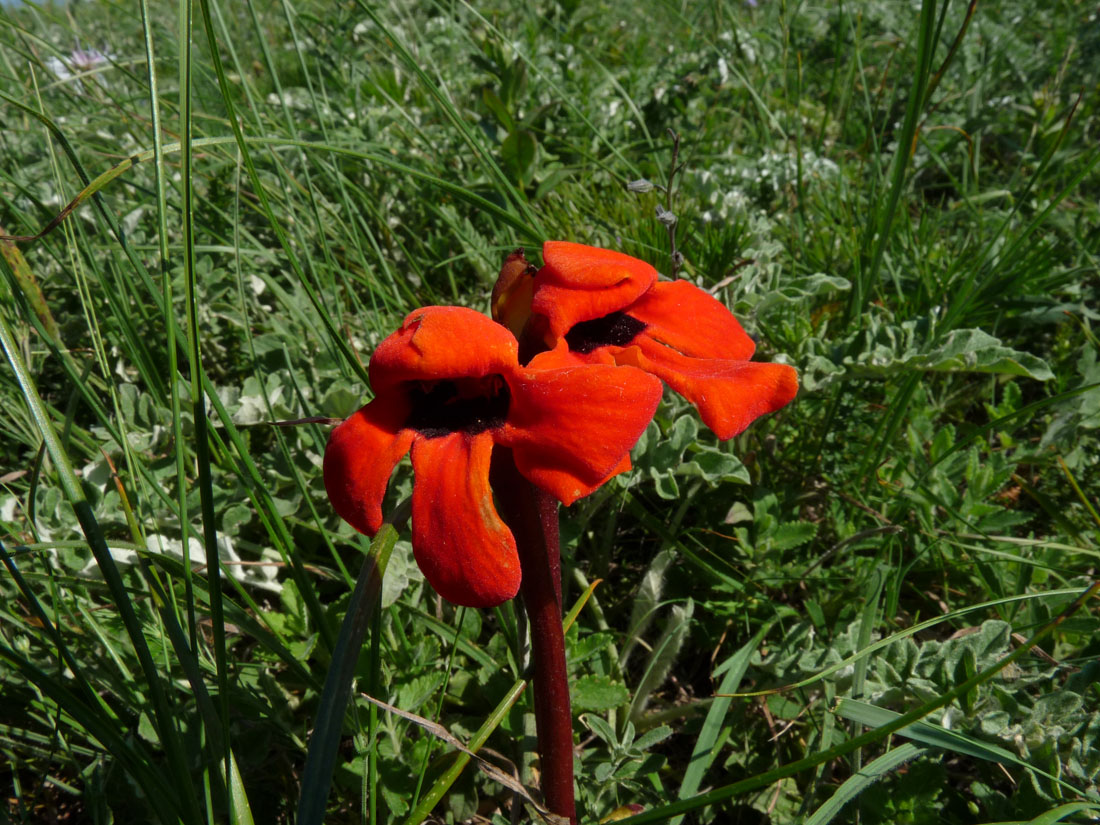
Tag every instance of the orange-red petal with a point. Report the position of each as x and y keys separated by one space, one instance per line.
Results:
x=570 y=429
x=579 y=283
x=361 y=455
x=692 y=322
x=463 y=548
x=729 y=395
x=437 y=343
x=561 y=356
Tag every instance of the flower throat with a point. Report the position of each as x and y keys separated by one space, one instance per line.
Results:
x=616 y=330
x=461 y=405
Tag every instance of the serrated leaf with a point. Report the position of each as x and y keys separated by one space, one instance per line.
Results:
x=598 y=693
x=589 y=646
x=418 y=690
x=294 y=609
x=396 y=801
x=792 y=534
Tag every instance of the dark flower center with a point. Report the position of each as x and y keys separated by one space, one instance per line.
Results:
x=615 y=330
x=460 y=405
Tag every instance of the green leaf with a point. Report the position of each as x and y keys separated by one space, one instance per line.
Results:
x=240 y=812
x=598 y=693
x=665 y=484
x=327 y=729
x=294 y=609
x=600 y=727
x=589 y=646
x=971 y=350
x=495 y=105
x=412 y=694
x=792 y=534
x=798 y=290
x=683 y=432
x=714 y=466
x=401 y=572
x=650 y=738
x=342 y=400
x=663 y=656
x=234 y=517
x=883 y=348
x=518 y=153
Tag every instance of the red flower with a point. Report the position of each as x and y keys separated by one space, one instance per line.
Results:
x=596 y=306
x=449 y=387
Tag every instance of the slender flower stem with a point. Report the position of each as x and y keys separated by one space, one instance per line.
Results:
x=533 y=518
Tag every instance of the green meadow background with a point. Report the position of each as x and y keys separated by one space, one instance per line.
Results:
x=901 y=199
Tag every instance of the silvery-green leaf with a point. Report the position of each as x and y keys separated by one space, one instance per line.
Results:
x=400 y=573
x=971 y=350
x=597 y=693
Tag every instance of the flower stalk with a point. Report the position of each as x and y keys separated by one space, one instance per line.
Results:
x=532 y=514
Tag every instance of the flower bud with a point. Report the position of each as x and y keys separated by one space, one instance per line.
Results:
x=511 y=302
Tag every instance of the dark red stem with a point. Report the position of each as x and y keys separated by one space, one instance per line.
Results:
x=533 y=517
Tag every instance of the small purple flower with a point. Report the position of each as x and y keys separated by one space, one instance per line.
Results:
x=80 y=61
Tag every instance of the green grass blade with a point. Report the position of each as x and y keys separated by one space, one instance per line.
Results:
x=321 y=760
x=1061 y=812
x=884 y=220
x=334 y=336
x=939 y=737
x=198 y=395
x=240 y=813
x=857 y=783
x=703 y=754
x=443 y=784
